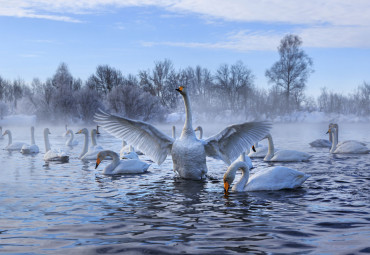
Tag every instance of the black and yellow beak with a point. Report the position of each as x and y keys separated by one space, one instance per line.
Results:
x=253 y=148
x=226 y=187
x=97 y=163
x=179 y=89
x=328 y=131
x=79 y=132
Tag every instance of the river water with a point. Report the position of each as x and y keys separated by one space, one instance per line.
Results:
x=73 y=208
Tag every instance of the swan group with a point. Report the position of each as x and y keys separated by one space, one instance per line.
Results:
x=271 y=178
x=188 y=152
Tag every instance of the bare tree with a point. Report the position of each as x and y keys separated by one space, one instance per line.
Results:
x=293 y=69
x=105 y=78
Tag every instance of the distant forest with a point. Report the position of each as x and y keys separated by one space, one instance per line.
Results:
x=150 y=95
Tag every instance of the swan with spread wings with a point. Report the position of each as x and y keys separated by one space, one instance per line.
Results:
x=188 y=152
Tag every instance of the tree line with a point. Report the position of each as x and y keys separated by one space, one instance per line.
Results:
x=150 y=95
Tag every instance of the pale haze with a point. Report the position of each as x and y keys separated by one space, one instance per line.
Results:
x=131 y=35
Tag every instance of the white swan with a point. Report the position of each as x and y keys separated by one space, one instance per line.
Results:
x=323 y=143
x=129 y=155
x=33 y=148
x=272 y=178
x=346 y=147
x=188 y=153
x=16 y=146
x=128 y=166
x=53 y=155
x=70 y=141
x=89 y=153
x=284 y=155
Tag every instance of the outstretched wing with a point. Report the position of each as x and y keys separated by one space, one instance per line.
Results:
x=233 y=140
x=139 y=134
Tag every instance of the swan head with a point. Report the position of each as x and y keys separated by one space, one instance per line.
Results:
x=6 y=132
x=228 y=179
x=101 y=156
x=182 y=90
x=82 y=131
x=47 y=131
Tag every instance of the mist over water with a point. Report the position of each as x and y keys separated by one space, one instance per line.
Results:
x=73 y=208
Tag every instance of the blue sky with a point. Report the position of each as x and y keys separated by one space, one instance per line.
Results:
x=130 y=35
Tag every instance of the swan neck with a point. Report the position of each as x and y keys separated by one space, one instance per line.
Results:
x=271 y=149
x=10 y=141
x=86 y=145
x=334 y=134
x=240 y=184
x=33 y=136
x=109 y=168
x=93 y=137
x=173 y=132
x=46 y=140
x=188 y=126
x=200 y=133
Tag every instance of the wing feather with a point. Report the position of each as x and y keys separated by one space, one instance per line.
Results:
x=139 y=134
x=233 y=140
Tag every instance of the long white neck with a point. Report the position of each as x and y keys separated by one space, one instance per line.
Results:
x=240 y=184
x=69 y=142
x=334 y=134
x=93 y=137
x=32 y=136
x=10 y=141
x=46 y=140
x=271 y=149
x=110 y=168
x=173 y=132
x=86 y=144
x=188 y=126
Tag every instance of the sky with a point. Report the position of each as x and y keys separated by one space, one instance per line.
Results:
x=131 y=35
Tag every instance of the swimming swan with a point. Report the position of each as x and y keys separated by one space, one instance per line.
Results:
x=323 y=143
x=188 y=153
x=89 y=153
x=272 y=178
x=70 y=141
x=128 y=166
x=53 y=155
x=346 y=147
x=284 y=155
x=33 y=148
x=16 y=146
x=258 y=152
x=129 y=155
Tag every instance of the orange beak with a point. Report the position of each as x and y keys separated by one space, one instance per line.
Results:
x=179 y=89
x=97 y=162
x=226 y=187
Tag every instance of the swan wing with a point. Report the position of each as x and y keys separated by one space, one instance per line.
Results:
x=233 y=140
x=141 y=135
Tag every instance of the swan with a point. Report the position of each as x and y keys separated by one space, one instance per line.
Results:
x=271 y=178
x=89 y=153
x=16 y=146
x=188 y=153
x=336 y=133
x=127 y=149
x=53 y=155
x=127 y=166
x=33 y=148
x=130 y=155
x=323 y=143
x=346 y=147
x=200 y=129
x=284 y=155
x=70 y=141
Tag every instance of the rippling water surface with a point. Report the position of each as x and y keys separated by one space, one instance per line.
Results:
x=73 y=208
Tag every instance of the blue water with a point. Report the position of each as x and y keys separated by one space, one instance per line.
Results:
x=73 y=208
